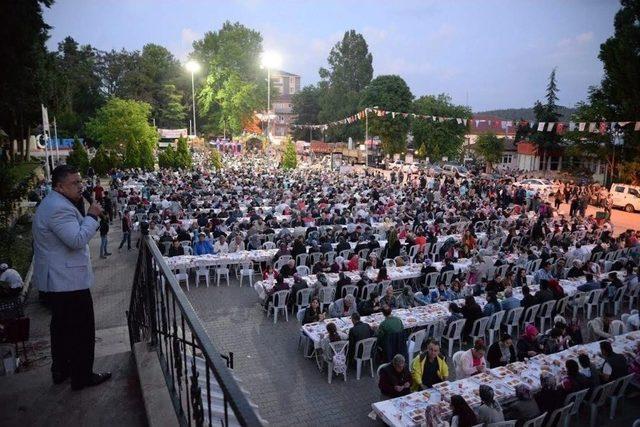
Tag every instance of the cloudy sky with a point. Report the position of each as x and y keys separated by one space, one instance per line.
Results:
x=495 y=53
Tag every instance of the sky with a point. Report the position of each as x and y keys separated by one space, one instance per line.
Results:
x=488 y=54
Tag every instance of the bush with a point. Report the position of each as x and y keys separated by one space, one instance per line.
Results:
x=78 y=157
x=215 y=159
x=289 y=158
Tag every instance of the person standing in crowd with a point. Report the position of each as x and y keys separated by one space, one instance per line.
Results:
x=10 y=281
x=62 y=268
x=104 y=231
x=126 y=231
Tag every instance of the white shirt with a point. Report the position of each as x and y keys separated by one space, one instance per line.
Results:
x=220 y=247
x=12 y=277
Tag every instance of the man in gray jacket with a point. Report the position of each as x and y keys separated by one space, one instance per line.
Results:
x=62 y=268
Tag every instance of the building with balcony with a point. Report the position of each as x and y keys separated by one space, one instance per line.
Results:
x=287 y=85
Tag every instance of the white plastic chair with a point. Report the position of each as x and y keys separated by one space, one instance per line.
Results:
x=576 y=302
x=536 y=422
x=315 y=257
x=454 y=333
x=598 y=398
x=303 y=298
x=575 y=399
x=325 y=294
x=365 y=349
x=560 y=414
x=303 y=270
x=246 y=270
x=561 y=305
x=493 y=327
x=415 y=342
x=617 y=299
x=222 y=270
x=301 y=259
x=479 y=328
x=455 y=359
x=513 y=320
x=202 y=270
x=388 y=263
x=349 y=289
x=510 y=423
x=447 y=276
x=367 y=289
x=546 y=312
x=633 y=297
x=431 y=280
x=183 y=276
x=268 y=245
x=330 y=256
x=336 y=347
x=592 y=300
x=529 y=315
x=188 y=250
x=618 y=392
x=345 y=253
x=279 y=302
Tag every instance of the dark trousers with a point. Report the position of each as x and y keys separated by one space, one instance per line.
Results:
x=72 y=334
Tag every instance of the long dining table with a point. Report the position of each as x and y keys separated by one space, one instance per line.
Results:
x=434 y=403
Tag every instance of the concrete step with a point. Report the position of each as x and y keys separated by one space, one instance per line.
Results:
x=30 y=398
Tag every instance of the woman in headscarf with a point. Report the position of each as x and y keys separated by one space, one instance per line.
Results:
x=353 y=264
x=523 y=409
x=528 y=344
x=549 y=398
x=489 y=410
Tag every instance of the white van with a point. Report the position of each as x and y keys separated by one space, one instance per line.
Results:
x=452 y=170
x=625 y=196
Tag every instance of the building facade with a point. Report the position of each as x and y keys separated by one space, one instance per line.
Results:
x=286 y=84
x=480 y=124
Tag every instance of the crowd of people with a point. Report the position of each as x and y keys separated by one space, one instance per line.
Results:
x=362 y=224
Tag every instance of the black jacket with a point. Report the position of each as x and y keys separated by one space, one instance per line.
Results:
x=494 y=354
x=360 y=331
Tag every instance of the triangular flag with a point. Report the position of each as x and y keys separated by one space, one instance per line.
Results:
x=623 y=124
x=540 y=126
x=405 y=115
x=459 y=120
x=592 y=127
x=560 y=128
x=550 y=126
x=393 y=115
x=603 y=127
x=464 y=121
x=572 y=126
x=532 y=125
x=637 y=127
x=477 y=122
x=581 y=126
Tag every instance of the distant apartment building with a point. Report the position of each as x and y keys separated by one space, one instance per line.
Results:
x=286 y=84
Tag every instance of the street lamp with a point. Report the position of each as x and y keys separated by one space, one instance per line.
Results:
x=269 y=59
x=193 y=67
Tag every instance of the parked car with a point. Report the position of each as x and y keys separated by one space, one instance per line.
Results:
x=453 y=169
x=625 y=196
x=400 y=165
x=538 y=184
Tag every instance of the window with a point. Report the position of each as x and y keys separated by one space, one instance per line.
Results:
x=507 y=158
x=619 y=189
x=634 y=192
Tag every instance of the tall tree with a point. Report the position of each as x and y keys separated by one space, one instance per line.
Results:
x=350 y=71
x=123 y=125
x=547 y=141
x=234 y=85
x=490 y=147
x=306 y=106
x=435 y=139
x=389 y=93
x=24 y=59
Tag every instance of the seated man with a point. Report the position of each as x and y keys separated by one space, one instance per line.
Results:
x=395 y=379
x=589 y=285
x=428 y=367
x=203 y=246
x=615 y=365
x=359 y=331
x=343 y=307
x=221 y=246
x=10 y=281
x=598 y=328
x=509 y=302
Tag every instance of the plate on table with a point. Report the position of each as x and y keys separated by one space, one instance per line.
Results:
x=517 y=367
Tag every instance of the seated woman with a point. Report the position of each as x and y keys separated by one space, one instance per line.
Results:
x=472 y=361
x=549 y=398
x=574 y=381
x=312 y=313
x=529 y=344
x=489 y=410
x=502 y=352
x=523 y=409
x=389 y=299
x=441 y=294
x=462 y=414
x=333 y=335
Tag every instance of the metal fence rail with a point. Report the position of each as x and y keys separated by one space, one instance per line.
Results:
x=201 y=385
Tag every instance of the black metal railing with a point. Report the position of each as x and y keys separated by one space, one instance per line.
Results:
x=201 y=385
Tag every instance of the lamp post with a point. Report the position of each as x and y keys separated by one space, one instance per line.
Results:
x=269 y=59
x=193 y=67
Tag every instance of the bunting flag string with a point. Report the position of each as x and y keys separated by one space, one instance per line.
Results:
x=559 y=127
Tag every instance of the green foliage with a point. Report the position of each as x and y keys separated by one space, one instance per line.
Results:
x=183 y=155
x=234 y=86
x=438 y=139
x=389 y=93
x=170 y=111
x=548 y=112
x=490 y=147
x=123 y=125
x=289 y=157
x=526 y=113
x=350 y=71
x=14 y=184
x=78 y=157
x=629 y=172
x=16 y=247
x=215 y=159
x=306 y=107
x=103 y=161
x=24 y=69
x=167 y=158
